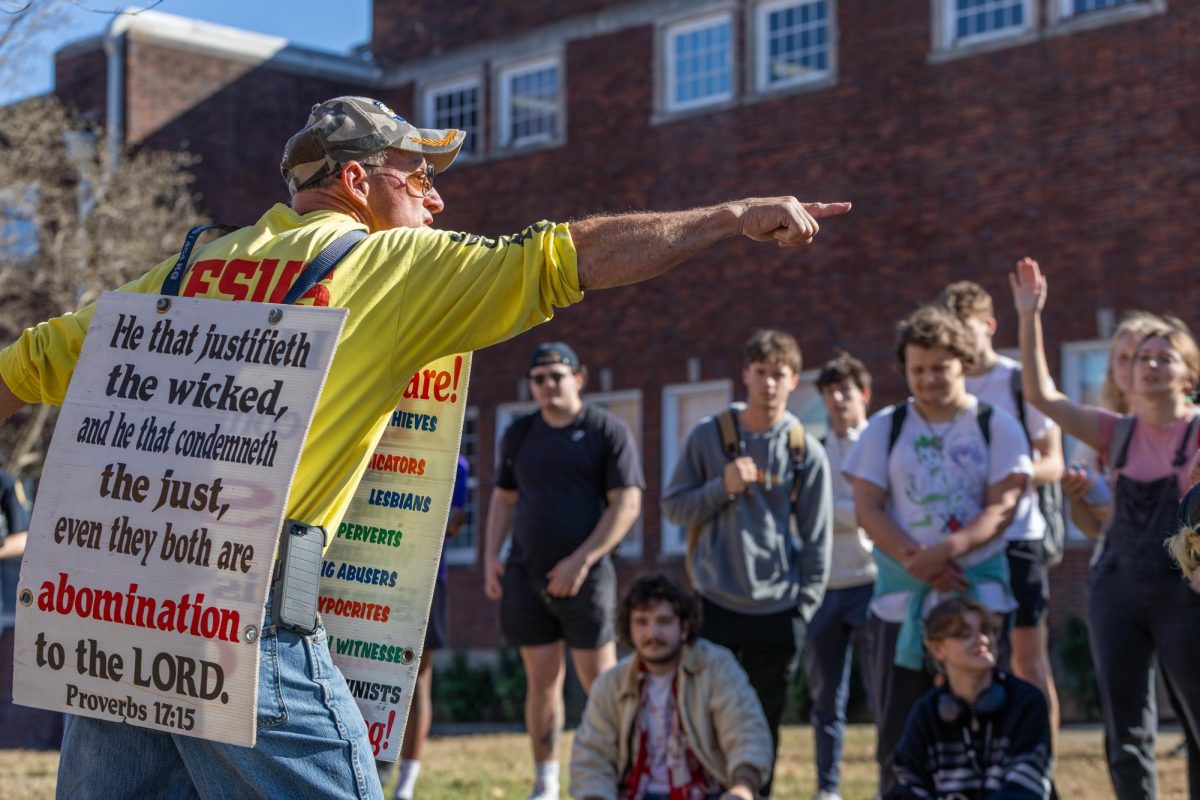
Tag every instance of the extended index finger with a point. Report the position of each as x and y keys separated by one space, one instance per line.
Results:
x=819 y=210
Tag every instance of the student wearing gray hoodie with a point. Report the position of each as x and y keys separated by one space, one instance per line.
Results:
x=761 y=523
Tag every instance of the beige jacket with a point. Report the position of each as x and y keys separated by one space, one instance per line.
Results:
x=721 y=717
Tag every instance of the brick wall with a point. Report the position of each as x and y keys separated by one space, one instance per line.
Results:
x=1079 y=149
x=80 y=78
x=407 y=29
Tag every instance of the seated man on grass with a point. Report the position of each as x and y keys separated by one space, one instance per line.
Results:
x=982 y=733
x=676 y=718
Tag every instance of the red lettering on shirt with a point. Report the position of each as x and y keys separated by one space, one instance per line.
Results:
x=241 y=279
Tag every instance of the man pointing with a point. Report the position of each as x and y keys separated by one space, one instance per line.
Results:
x=414 y=295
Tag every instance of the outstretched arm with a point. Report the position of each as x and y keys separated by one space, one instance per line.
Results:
x=1029 y=296
x=615 y=250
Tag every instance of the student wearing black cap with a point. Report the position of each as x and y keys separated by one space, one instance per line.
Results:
x=569 y=487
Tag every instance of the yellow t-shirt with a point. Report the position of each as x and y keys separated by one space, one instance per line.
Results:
x=414 y=295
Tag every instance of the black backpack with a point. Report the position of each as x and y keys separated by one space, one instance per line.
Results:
x=983 y=415
x=592 y=424
x=1049 y=495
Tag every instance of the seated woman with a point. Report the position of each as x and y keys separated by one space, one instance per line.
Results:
x=981 y=734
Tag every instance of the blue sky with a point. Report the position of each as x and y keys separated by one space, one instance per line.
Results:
x=312 y=23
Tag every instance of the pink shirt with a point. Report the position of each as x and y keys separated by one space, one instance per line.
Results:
x=1151 y=450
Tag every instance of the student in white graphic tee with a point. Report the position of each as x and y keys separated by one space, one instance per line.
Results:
x=935 y=493
x=996 y=379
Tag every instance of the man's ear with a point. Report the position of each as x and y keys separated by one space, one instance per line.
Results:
x=991 y=326
x=354 y=181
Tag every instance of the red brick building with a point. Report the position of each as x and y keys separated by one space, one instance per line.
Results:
x=967 y=133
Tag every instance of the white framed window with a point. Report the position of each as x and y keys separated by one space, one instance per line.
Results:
x=805 y=402
x=1084 y=366
x=464 y=548
x=683 y=406
x=967 y=22
x=699 y=62
x=624 y=405
x=627 y=407
x=1073 y=8
x=794 y=42
x=457 y=104
x=531 y=103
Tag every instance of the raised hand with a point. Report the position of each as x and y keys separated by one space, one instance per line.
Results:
x=785 y=219
x=1028 y=287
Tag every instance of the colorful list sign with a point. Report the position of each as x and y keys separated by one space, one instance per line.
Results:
x=153 y=538
x=378 y=575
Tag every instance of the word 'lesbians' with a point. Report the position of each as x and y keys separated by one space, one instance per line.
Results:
x=224 y=395
x=355 y=573
x=414 y=422
x=184 y=616
x=122 y=485
x=340 y=607
x=404 y=501
x=251 y=346
x=352 y=531
x=123 y=538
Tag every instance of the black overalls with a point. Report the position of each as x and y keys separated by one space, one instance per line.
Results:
x=1139 y=607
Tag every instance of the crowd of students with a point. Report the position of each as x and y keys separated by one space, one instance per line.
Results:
x=932 y=524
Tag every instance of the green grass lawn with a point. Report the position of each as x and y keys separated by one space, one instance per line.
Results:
x=496 y=767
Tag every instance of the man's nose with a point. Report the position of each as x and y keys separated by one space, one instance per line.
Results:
x=434 y=202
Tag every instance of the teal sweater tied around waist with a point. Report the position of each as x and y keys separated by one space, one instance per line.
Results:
x=893 y=577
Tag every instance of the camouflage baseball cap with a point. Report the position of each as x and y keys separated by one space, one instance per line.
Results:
x=347 y=129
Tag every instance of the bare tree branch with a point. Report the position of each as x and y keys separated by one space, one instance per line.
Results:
x=71 y=227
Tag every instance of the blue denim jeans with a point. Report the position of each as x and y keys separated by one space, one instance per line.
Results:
x=312 y=741
x=836 y=630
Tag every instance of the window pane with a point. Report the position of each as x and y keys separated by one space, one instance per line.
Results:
x=1084 y=6
x=980 y=17
x=627 y=407
x=461 y=549
x=533 y=105
x=797 y=42
x=702 y=63
x=459 y=108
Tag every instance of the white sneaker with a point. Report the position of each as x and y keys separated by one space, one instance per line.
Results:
x=824 y=795
x=544 y=790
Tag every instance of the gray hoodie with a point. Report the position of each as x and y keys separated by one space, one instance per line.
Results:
x=747 y=560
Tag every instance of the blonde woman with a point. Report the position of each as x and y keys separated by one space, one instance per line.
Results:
x=1138 y=608
x=1084 y=481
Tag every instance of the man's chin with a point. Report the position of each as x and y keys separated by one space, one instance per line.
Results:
x=660 y=658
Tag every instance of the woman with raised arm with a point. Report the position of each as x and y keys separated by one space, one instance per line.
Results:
x=1138 y=606
x=1085 y=482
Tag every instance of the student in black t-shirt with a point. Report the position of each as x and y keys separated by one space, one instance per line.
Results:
x=568 y=489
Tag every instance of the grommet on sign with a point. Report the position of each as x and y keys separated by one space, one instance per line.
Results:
x=26 y=597
x=408 y=656
x=163 y=305
x=274 y=316
x=250 y=635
